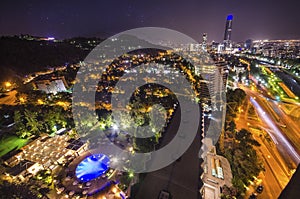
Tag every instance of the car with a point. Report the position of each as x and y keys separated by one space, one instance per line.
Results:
x=259 y=189
x=283 y=125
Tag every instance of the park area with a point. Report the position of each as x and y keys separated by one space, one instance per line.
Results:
x=10 y=143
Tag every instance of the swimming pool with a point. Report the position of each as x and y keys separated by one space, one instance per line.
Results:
x=92 y=167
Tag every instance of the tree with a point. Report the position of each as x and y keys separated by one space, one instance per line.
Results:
x=32 y=122
x=245 y=137
x=232 y=126
x=228 y=192
x=20 y=127
x=72 y=133
x=243 y=160
x=16 y=191
x=53 y=117
x=45 y=177
x=238 y=184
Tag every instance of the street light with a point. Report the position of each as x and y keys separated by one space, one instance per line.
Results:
x=22 y=100
x=115 y=127
x=7 y=84
x=131 y=174
x=39 y=101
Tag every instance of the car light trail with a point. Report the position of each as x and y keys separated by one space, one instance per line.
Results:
x=271 y=135
x=276 y=131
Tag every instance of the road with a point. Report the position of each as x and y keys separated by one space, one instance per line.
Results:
x=276 y=174
x=287 y=138
x=291 y=130
x=290 y=81
x=9 y=99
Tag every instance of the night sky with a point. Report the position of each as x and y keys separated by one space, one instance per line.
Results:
x=256 y=19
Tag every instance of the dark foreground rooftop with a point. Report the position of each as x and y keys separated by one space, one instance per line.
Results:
x=181 y=179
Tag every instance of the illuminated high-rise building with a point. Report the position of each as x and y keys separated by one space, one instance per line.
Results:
x=228 y=29
x=204 y=41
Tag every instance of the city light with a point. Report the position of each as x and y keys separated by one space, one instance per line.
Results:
x=40 y=102
x=277 y=132
x=46 y=77
x=115 y=127
x=131 y=174
x=7 y=84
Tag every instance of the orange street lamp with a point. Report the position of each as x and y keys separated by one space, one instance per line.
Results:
x=7 y=84
x=39 y=101
x=22 y=100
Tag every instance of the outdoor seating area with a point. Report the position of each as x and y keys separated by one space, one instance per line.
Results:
x=68 y=183
x=47 y=152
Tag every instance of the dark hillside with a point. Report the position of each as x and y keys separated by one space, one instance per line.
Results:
x=19 y=56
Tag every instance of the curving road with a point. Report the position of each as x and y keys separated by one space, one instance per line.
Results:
x=287 y=137
x=10 y=99
x=276 y=174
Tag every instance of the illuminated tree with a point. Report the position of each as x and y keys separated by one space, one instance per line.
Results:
x=20 y=127
x=32 y=122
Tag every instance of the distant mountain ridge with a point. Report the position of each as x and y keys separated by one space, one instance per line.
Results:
x=19 y=56
x=26 y=54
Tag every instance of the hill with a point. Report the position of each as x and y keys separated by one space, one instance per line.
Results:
x=19 y=57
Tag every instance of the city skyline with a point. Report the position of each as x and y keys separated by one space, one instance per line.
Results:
x=252 y=20
x=149 y=99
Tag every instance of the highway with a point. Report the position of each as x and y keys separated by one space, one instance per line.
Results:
x=290 y=81
x=287 y=138
x=276 y=174
x=291 y=129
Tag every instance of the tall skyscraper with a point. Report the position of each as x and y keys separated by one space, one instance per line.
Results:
x=204 y=41
x=248 y=44
x=228 y=29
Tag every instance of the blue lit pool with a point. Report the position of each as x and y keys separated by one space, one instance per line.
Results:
x=92 y=167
